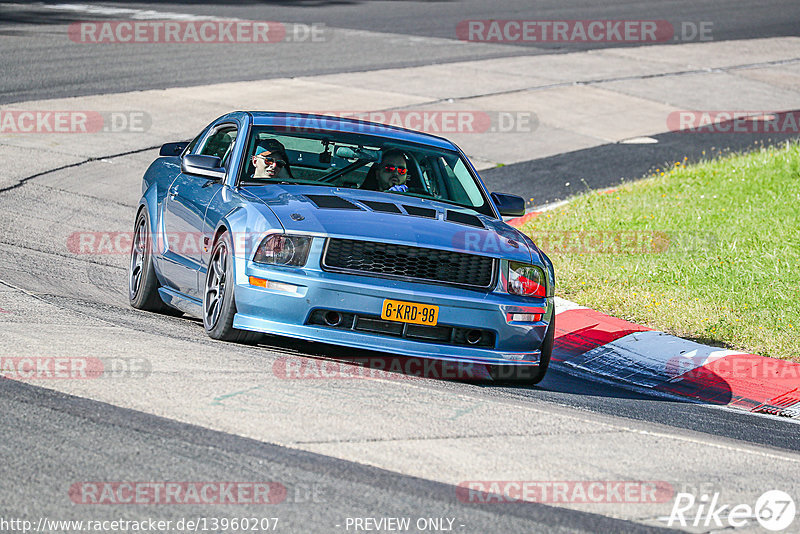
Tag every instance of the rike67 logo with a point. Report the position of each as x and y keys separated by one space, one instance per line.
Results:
x=774 y=510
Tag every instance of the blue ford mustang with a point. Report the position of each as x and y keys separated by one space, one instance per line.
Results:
x=345 y=232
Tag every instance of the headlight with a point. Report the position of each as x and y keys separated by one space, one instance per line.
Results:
x=278 y=249
x=526 y=280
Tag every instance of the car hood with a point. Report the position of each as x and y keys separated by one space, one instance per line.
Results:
x=390 y=218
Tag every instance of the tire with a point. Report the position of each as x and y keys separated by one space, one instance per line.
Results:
x=528 y=375
x=219 y=304
x=142 y=280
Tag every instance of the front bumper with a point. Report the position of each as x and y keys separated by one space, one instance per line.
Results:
x=287 y=313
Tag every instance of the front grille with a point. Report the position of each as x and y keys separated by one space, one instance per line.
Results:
x=442 y=334
x=410 y=263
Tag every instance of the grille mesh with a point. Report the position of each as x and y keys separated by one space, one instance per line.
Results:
x=425 y=264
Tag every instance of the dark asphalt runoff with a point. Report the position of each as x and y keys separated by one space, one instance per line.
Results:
x=58 y=441
x=559 y=177
x=40 y=61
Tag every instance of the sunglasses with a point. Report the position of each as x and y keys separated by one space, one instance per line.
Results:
x=279 y=163
x=400 y=170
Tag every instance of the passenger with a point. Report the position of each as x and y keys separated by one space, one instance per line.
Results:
x=270 y=160
x=390 y=174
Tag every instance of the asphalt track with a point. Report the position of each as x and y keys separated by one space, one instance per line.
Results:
x=56 y=440
x=321 y=491
x=40 y=62
x=52 y=439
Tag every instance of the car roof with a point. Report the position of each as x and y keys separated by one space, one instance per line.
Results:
x=347 y=125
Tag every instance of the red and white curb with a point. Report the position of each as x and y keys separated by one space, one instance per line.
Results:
x=620 y=351
x=616 y=350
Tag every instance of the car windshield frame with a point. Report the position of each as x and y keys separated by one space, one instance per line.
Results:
x=369 y=141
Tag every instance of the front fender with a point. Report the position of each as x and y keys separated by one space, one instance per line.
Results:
x=246 y=227
x=149 y=201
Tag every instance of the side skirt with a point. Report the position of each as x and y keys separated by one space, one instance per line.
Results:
x=186 y=304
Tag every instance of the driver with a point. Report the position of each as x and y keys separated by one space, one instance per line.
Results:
x=390 y=174
x=270 y=161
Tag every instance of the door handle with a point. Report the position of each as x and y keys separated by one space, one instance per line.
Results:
x=173 y=192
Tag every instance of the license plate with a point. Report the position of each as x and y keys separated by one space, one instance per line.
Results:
x=409 y=312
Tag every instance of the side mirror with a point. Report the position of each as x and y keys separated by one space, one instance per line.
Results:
x=509 y=205
x=172 y=149
x=205 y=166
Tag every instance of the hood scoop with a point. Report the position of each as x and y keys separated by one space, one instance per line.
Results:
x=417 y=211
x=332 y=202
x=385 y=207
x=464 y=218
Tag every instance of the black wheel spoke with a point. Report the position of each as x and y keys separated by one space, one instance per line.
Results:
x=215 y=285
x=138 y=251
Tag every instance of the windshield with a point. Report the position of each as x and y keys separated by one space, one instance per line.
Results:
x=359 y=161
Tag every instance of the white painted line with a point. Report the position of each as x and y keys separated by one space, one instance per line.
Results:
x=137 y=14
x=537 y=209
x=638 y=141
x=563 y=305
x=548 y=207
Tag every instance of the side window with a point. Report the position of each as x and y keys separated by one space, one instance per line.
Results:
x=190 y=146
x=465 y=191
x=220 y=143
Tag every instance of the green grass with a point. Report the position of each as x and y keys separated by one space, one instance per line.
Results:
x=709 y=252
